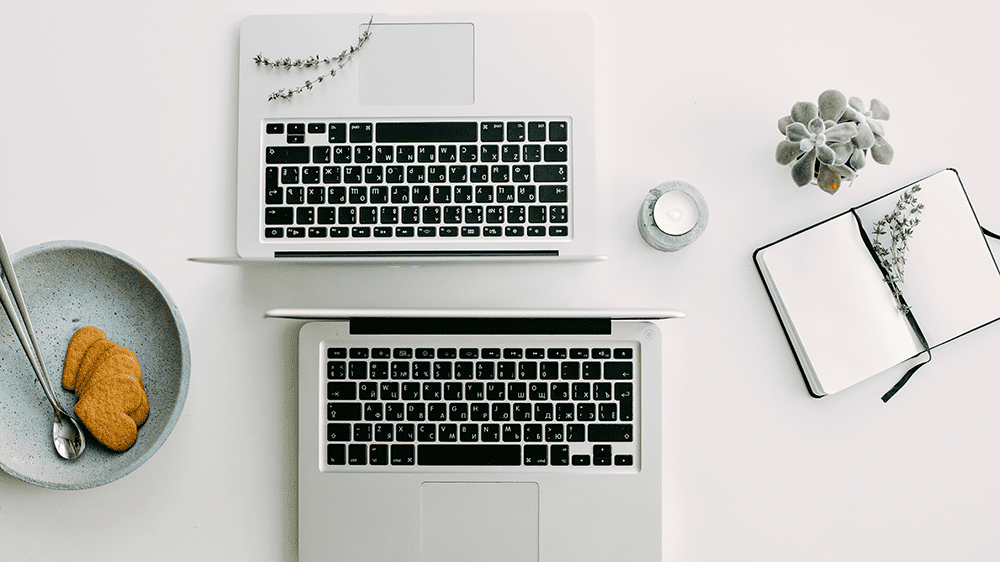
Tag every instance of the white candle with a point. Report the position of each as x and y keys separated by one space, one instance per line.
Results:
x=675 y=213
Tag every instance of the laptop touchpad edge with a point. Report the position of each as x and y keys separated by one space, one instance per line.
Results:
x=482 y=521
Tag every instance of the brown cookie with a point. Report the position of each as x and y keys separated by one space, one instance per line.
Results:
x=117 y=360
x=105 y=409
x=90 y=360
x=78 y=345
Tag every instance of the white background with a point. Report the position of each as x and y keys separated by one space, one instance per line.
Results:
x=119 y=127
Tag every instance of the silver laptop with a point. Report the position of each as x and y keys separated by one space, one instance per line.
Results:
x=479 y=435
x=375 y=137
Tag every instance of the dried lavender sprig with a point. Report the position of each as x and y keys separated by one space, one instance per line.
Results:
x=900 y=223
x=288 y=64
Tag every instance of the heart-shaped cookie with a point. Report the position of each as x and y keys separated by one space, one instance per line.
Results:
x=78 y=346
x=106 y=410
x=90 y=360
x=114 y=361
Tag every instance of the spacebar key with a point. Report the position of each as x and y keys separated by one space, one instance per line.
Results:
x=468 y=455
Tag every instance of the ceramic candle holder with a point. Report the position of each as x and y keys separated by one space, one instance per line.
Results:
x=673 y=215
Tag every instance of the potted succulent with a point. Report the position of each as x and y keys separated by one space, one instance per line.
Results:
x=829 y=141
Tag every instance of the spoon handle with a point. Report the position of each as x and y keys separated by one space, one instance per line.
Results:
x=28 y=341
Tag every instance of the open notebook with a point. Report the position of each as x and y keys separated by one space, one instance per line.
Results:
x=840 y=316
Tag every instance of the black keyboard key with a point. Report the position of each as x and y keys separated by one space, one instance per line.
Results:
x=536 y=131
x=623 y=460
x=515 y=131
x=336 y=454
x=556 y=153
x=549 y=173
x=536 y=455
x=401 y=455
x=343 y=411
x=609 y=432
x=287 y=154
x=279 y=215
x=340 y=390
x=361 y=132
x=338 y=432
x=468 y=454
x=492 y=131
x=449 y=131
x=559 y=455
x=552 y=194
x=357 y=454
x=337 y=133
x=618 y=370
x=378 y=455
x=558 y=131
x=275 y=128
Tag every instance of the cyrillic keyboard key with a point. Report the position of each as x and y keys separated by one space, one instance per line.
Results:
x=467 y=454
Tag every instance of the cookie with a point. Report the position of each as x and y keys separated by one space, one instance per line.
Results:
x=107 y=381
x=90 y=360
x=105 y=409
x=116 y=360
x=78 y=345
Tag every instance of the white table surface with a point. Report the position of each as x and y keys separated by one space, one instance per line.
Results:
x=119 y=127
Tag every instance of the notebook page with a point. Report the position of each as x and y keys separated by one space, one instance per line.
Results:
x=842 y=313
x=951 y=280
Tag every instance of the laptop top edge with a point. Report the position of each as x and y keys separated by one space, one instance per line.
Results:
x=348 y=314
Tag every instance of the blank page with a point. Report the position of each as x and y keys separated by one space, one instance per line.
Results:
x=839 y=312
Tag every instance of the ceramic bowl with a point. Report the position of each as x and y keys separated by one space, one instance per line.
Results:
x=68 y=285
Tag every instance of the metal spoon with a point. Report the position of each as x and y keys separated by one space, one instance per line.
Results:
x=66 y=433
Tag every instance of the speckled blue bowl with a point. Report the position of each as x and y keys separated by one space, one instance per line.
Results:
x=68 y=285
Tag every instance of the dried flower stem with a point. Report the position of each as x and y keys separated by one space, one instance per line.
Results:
x=898 y=225
x=288 y=64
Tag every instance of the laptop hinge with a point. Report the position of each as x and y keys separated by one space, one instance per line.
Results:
x=480 y=326
x=416 y=253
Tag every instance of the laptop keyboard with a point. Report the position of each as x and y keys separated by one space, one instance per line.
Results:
x=402 y=408
x=417 y=180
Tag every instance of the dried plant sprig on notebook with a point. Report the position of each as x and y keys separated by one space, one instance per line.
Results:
x=898 y=226
x=314 y=61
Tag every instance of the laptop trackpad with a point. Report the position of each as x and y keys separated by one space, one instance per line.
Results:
x=482 y=521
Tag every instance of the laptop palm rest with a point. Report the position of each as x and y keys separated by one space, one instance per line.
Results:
x=482 y=521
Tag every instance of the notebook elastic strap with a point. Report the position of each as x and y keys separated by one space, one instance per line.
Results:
x=909 y=313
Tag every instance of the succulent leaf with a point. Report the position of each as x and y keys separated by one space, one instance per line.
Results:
x=816 y=126
x=844 y=172
x=842 y=132
x=877 y=127
x=857 y=160
x=882 y=151
x=797 y=132
x=804 y=112
x=825 y=154
x=865 y=138
x=802 y=171
x=844 y=150
x=784 y=122
x=828 y=180
x=832 y=105
x=879 y=110
x=786 y=152
x=857 y=104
